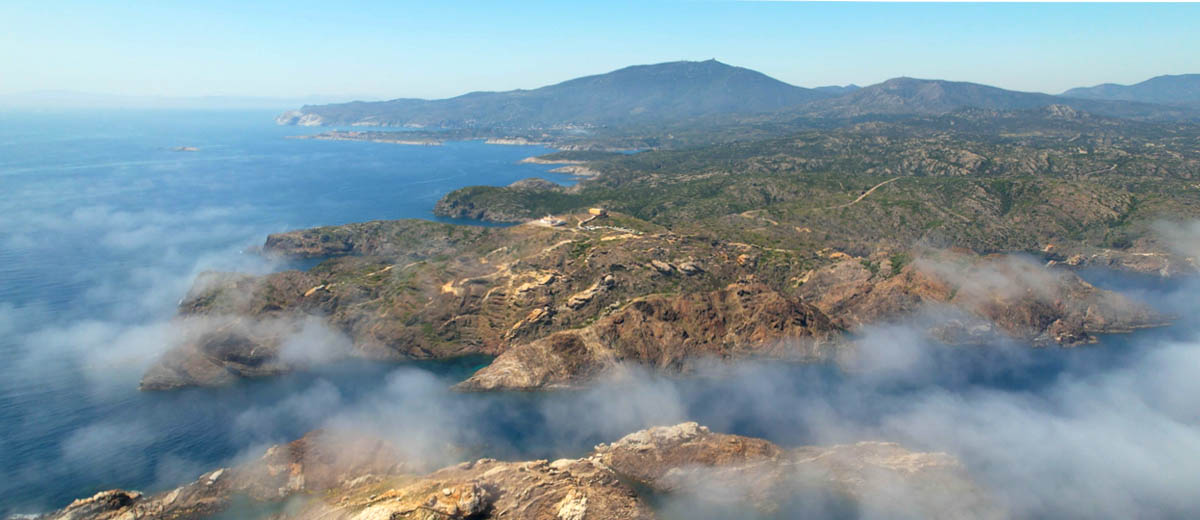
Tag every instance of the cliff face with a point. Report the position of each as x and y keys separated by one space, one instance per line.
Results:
x=619 y=480
x=560 y=305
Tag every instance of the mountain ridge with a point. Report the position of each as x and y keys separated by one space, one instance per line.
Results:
x=1177 y=89
x=693 y=90
x=907 y=95
x=664 y=91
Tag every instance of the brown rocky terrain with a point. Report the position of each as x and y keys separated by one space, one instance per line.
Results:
x=1012 y=295
x=316 y=463
x=1091 y=189
x=668 y=334
x=1145 y=256
x=320 y=477
x=456 y=290
x=561 y=304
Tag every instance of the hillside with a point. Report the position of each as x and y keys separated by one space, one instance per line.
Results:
x=931 y=97
x=991 y=182
x=644 y=105
x=637 y=94
x=1182 y=89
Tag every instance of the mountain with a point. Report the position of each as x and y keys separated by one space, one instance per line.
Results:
x=1182 y=89
x=838 y=90
x=638 y=94
x=911 y=95
x=691 y=91
x=904 y=96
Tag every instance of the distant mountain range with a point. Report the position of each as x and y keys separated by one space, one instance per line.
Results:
x=934 y=97
x=676 y=91
x=1182 y=89
x=666 y=91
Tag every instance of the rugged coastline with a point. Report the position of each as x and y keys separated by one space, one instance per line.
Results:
x=743 y=298
x=372 y=137
x=339 y=475
x=562 y=304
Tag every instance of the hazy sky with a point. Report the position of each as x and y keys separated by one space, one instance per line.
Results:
x=439 y=49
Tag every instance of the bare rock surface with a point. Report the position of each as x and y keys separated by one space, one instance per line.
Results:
x=621 y=480
x=559 y=305
x=1010 y=294
x=668 y=334
x=421 y=290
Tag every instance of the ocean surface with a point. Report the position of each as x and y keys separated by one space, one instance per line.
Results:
x=103 y=227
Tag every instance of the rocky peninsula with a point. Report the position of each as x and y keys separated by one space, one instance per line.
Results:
x=372 y=137
x=561 y=304
x=335 y=476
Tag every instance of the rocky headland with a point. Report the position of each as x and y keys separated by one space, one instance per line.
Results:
x=330 y=476
x=561 y=304
x=372 y=137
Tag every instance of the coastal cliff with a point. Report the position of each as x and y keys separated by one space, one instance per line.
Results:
x=561 y=302
x=328 y=477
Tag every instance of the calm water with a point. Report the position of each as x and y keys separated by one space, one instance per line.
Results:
x=103 y=227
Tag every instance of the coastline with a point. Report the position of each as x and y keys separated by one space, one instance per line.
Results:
x=213 y=240
x=338 y=135
x=566 y=166
x=436 y=138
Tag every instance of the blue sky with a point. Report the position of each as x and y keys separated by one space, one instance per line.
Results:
x=439 y=49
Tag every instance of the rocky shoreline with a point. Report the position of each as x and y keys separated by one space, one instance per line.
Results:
x=568 y=166
x=371 y=137
x=345 y=476
x=561 y=305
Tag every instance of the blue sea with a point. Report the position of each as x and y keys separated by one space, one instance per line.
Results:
x=104 y=226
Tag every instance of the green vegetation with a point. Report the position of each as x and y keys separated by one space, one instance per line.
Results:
x=579 y=249
x=579 y=155
x=871 y=266
x=983 y=180
x=898 y=261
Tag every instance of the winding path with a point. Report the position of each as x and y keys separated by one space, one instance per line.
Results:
x=864 y=195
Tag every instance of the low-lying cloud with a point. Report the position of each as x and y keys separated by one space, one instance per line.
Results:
x=1108 y=431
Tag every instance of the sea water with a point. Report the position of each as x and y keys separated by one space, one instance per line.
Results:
x=103 y=223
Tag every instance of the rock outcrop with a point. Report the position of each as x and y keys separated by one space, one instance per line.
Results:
x=422 y=290
x=1012 y=295
x=616 y=481
x=668 y=334
x=319 y=462
x=561 y=304
x=1147 y=258
x=874 y=479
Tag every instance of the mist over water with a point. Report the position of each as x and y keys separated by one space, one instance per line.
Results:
x=106 y=228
